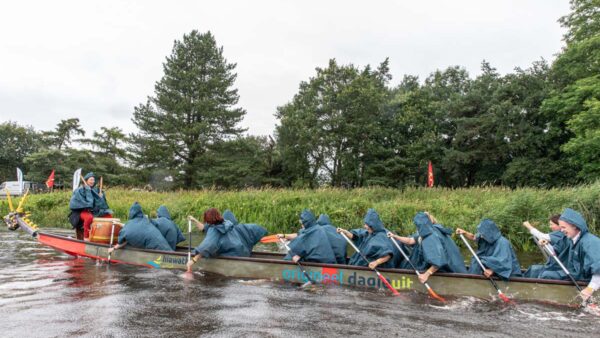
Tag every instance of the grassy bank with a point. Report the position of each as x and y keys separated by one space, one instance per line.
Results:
x=278 y=210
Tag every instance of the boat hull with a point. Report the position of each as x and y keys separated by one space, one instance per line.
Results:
x=273 y=267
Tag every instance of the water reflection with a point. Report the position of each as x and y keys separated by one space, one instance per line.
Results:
x=48 y=294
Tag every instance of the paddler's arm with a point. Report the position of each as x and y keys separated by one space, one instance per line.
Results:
x=592 y=286
x=199 y=224
x=379 y=261
x=405 y=240
x=287 y=236
x=535 y=232
x=117 y=246
x=467 y=234
x=345 y=232
x=425 y=275
x=192 y=261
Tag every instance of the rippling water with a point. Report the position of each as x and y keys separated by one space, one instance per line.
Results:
x=44 y=293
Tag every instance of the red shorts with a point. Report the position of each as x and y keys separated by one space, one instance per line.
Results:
x=87 y=217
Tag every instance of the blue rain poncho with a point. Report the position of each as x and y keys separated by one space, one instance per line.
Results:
x=456 y=261
x=495 y=252
x=139 y=232
x=338 y=243
x=249 y=233
x=372 y=245
x=82 y=199
x=311 y=244
x=559 y=243
x=432 y=248
x=227 y=239
x=88 y=198
x=582 y=259
x=167 y=227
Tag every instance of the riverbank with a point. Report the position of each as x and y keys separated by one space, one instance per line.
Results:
x=277 y=209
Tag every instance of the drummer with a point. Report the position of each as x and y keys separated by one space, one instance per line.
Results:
x=89 y=202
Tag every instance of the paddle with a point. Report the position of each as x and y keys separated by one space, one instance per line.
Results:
x=112 y=234
x=310 y=281
x=270 y=239
x=429 y=289
x=190 y=239
x=500 y=294
x=385 y=282
x=550 y=250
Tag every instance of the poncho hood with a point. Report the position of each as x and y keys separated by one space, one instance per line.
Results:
x=163 y=212
x=574 y=218
x=323 y=220
x=372 y=219
x=488 y=230
x=223 y=228
x=136 y=211
x=423 y=224
x=307 y=218
x=88 y=175
x=229 y=216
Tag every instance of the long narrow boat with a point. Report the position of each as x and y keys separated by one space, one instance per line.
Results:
x=272 y=266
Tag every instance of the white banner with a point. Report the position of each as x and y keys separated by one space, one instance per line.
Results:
x=20 y=180
x=76 y=178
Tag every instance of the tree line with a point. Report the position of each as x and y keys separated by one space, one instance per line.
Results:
x=346 y=126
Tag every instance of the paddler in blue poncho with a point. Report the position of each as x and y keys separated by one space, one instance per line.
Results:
x=223 y=238
x=250 y=234
x=338 y=243
x=167 y=227
x=582 y=256
x=311 y=243
x=556 y=238
x=494 y=250
x=372 y=242
x=139 y=232
x=431 y=249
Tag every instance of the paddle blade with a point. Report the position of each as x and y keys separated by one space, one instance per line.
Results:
x=435 y=295
x=504 y=298
x=389 y=286
x=269 y=239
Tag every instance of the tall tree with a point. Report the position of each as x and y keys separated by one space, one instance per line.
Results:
x=574 y=102
x=327 y=132
x=193 y=108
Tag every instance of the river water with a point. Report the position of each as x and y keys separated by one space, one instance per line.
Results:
x=44 y=293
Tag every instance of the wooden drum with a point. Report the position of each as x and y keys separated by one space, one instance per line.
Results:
x=101 y=229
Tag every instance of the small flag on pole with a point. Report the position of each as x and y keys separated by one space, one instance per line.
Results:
x=430 y=175
x=76 y=176
x=20 y=180
x=50 y=180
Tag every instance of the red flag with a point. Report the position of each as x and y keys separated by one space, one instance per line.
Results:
x=430 y=176
x=50 y=181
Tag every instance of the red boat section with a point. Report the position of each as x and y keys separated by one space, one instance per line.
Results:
x=74 y=248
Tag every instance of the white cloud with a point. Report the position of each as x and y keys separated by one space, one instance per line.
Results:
x=96 y=61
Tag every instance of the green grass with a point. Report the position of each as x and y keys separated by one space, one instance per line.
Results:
x=278 y=209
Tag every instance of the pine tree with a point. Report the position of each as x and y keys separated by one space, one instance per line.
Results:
x=193 y=108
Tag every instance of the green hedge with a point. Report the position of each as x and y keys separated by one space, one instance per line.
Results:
x=278 y=209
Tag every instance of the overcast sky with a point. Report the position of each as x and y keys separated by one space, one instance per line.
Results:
x=98 y=60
